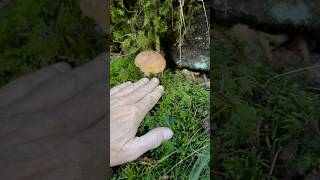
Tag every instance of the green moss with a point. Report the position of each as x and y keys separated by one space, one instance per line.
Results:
x=182 y=106
x=138 y=24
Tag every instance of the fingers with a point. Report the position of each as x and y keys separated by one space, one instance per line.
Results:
x=150 y=100
x=133 y=87
x=151 y=140
x=119 y=87
x=131 y=94
x=140 y=145
x=22 y=86
x=142 y=92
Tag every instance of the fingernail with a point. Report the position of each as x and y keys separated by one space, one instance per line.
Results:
x=167 y=134
x=155 y=80
x=161 y=88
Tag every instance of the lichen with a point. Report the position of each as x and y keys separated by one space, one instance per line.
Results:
x=202 y=63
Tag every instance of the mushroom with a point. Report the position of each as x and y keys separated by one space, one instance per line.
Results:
x=150 y=62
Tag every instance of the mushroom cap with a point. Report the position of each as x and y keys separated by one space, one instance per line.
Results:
x=150 y=62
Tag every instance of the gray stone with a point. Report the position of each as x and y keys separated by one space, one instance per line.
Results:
x=195 y=48
x=294 y=13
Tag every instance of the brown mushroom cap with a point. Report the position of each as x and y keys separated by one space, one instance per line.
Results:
x=150 y=62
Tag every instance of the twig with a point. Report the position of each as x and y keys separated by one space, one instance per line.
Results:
x=205 y=14
x=312 y=88
x=157 y=43
x=181 y=25
x=290 y=72
x=273 y=163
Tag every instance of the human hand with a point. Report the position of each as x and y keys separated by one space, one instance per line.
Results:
x=54 y=123
x=129 y=104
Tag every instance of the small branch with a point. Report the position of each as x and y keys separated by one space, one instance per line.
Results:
x=290 y=72
x=181 y=26
x=205 y=14
x=157 y=43
x=273 y=163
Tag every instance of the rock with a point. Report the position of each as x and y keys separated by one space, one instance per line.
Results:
x=195 y=48
x=295 y=13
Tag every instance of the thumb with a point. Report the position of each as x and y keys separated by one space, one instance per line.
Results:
x=152 y=139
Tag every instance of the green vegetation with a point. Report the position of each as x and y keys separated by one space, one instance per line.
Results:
x=141 y=24
x=183 y=105
x=35 y=33
x=259 y=131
